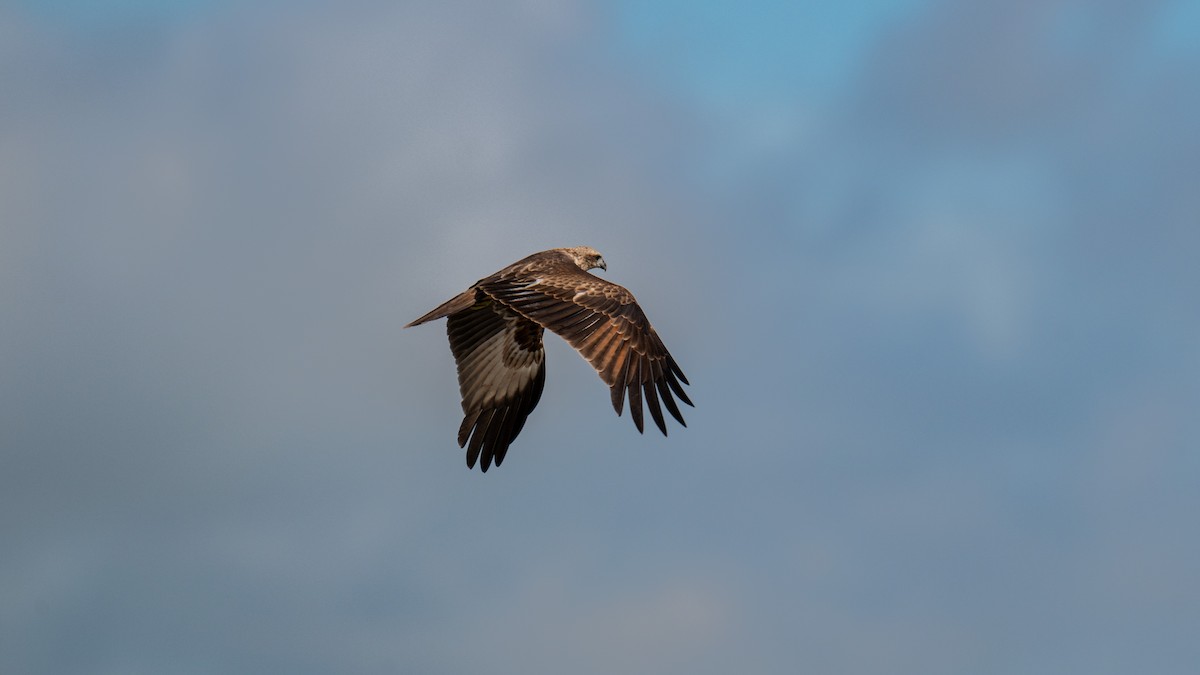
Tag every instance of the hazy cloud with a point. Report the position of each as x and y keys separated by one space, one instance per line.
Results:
x=938 y=324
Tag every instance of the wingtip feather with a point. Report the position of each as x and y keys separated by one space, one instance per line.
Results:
x=635 y=405
x=651 y=397
x=664 y=393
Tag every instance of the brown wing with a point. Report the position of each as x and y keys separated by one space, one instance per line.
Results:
x=501 y=372
x=605 y=324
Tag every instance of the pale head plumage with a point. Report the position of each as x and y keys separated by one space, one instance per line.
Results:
x=586 y=257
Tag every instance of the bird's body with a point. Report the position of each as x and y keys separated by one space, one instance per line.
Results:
x=495 y=329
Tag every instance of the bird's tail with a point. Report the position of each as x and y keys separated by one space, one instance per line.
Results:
x=458 y=303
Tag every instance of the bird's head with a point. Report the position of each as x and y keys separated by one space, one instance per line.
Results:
x=586 y=257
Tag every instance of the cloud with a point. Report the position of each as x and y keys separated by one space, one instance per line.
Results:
x=939 y=343
x=213 y=232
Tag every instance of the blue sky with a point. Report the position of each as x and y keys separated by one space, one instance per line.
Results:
x=761 y=51
x=930 y=267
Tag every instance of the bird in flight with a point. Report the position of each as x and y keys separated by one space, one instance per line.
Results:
x=495 y=330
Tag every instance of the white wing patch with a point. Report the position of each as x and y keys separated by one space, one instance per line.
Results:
x=495 y=370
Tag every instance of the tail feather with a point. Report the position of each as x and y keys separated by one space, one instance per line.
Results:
x=458 y=303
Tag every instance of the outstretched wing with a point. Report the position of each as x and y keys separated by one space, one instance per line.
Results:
x=501 y=372
x=605 y=324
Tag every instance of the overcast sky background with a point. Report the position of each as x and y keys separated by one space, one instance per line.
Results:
x=930 y=266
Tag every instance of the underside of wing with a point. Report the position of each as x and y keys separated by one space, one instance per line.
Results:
x=501 y=373
x=605 y=324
